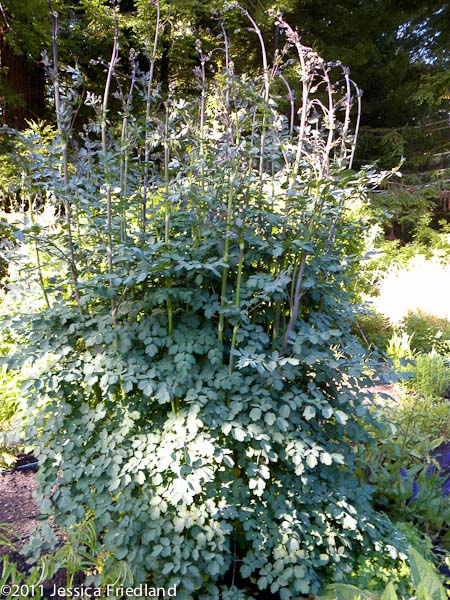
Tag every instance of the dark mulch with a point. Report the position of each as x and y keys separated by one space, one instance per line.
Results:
x=18 y=518
x=18 y=510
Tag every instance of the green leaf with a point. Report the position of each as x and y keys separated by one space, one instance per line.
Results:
x=343 y=591
x=309 y=413
x=311 y=460
x=140 y=477
x=285 y=411
x=270 y=418
x=162 y=394
x=228 y=460
x=341 y=417
x=114 y=485
x=255 y=414
x=120 y=553
x=389 y=592
x=326 y=458
x=426 y=580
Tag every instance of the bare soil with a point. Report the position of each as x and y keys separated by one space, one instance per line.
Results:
x=18 y=511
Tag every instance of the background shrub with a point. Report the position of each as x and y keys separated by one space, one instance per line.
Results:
x=431 y=375
x=428 y=332
x=374 y=329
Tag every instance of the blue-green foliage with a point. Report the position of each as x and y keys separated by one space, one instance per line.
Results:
x=207 y=437
x=260 y=458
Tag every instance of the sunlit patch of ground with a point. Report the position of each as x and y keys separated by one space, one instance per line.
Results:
x=424 y=285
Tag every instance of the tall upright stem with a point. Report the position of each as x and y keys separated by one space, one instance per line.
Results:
x=106 y=167
x=358 y=122
x=38 y=258
x=148 y=105
x=330 y=119
x=166 y=176
x=63 y=135
x=167 y=209
x=291 y=103
x=306 y=85
x=226 y=256
x=266 y=95
x=125 y=153
x=202 y=116
x=233 y=138
x=295 y=303
x=238 y=295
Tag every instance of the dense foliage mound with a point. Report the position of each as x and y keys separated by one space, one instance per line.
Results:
x=197 y=383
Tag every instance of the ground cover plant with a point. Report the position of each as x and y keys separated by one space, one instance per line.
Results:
x=197 y=374
x=63 y=569
x=408 y=466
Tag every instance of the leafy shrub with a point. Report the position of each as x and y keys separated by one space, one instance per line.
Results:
x=9 y=396
x=76 y=557
x=426 y=583
x=9 y=406
x=431 y=415
x=431 y=375
x=433 y=242
x=405 y=476
x=374 y=572
x=402 y=577
x=199 y=392
x=399 y=347
x=428 y=332
x=400 y=353
x=401 y=210
x=374 y=329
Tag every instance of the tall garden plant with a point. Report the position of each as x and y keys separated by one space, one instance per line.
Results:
x=199 y=391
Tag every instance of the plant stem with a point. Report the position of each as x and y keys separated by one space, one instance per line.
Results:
x=266 y=94
x=357 y=124
x=233 y=138
x=148 y=104
x=202 y=119
x=106 y=168
x=167 y=210
x=125 y=153
x=166 y=175
x=330 y=119
x=238 y=295
x=296 y=302
x=65 y=159
x=226 y=256
x=291 y=103
x=38 y=259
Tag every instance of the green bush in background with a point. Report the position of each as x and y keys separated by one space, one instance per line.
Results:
x=428 y=333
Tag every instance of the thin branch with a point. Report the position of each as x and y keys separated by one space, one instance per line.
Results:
x=5 y=18
x=148 y=105
x=291 y=99
x=357 y=125
x=107 y=172
x=65 y=159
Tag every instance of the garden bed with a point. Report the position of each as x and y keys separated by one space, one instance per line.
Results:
x=18 y=510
